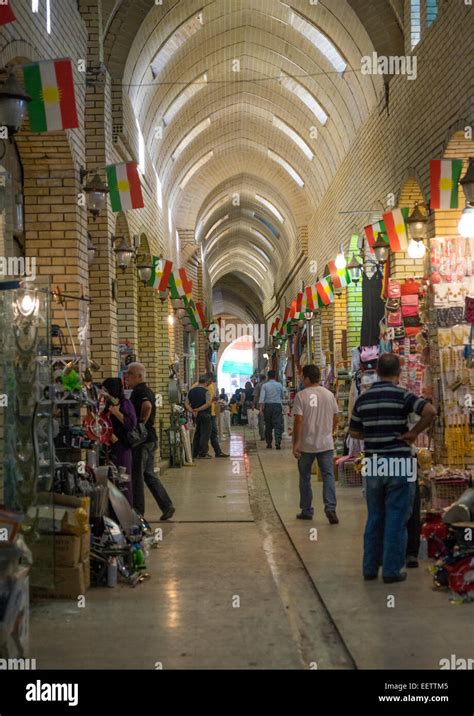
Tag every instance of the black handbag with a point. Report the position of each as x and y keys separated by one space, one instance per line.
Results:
x=138 y=435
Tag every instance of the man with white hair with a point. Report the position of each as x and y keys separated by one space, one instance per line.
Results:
x=143 y=471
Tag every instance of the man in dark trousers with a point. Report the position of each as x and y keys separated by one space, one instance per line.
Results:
x=143 y=456
x=256 y=403
x=211 y=387
x=380 y=418
x=199 y=403
x=271 y=407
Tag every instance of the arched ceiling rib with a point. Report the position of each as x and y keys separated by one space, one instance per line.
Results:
x=206 y=126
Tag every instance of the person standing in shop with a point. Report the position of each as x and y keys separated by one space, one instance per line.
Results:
x=123 y=419
x=380 y=418
x=143 y=456
x=271 y=407
x=199 y=404
x=315 y=410
x=256 y=401
x=211 y=387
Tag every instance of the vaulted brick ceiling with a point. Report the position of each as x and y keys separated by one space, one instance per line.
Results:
x=285 y=118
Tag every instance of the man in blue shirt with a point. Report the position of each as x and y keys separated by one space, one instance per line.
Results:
x=380 y=418
x=271 y=406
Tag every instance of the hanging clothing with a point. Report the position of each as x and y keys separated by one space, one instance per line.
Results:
x=373 y=309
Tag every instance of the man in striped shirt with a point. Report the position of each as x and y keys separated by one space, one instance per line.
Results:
x=380 y=418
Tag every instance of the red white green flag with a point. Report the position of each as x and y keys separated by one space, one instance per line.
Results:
x=50 y=85
x=340 y=278
x=275 y=329
x=196 y=314
x=311 y=298
x=160 y=274
x=179 y=284
x=444 y=180
x=300 y=306
x=325 y=292
x=372 y=230
x=395 y=222
x=284 y=324
x=6 y=13
x=125 y=187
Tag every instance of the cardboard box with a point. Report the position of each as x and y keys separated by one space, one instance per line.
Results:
x=85 y=547
x=69 y=581
x=67 y=550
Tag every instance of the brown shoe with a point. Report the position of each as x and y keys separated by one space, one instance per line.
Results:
x=333 y=519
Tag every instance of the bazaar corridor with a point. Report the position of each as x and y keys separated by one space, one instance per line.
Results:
x=302 y=602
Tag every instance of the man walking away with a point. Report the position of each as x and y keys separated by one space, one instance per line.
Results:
x=199 y=403
x=315 y=410
x=380 y=418
x=256 y=401
x=211 y=387
x=271 y=407
x=143 y=456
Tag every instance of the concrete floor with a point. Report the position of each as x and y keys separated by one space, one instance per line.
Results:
x=238 y=583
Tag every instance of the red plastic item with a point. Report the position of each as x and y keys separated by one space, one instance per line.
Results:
x=435 y=532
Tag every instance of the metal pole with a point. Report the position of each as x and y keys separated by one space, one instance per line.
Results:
x=308 y=342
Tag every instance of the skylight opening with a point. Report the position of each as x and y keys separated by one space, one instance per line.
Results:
x=170 y=220
x=216 y=225
x=320 y=41
x=200 y=163
x=415 y=22
x=294 y=136
x=271 y=208
x=159 y=190
x=306 y=97
x=141 y=149
x=262 y=238
x=190 y=137
x=267 y=224
x=184 y=96
x=174 y=41
x=287 y=167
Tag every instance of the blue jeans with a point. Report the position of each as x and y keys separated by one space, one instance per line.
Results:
x=325 y=462
x=389 y=505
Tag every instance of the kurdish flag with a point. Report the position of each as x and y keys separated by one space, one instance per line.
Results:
x=6 y=13
x=444 y=179
x=300 y=305
x=395 y=221
x=311 y=298
x=53 y=101
x=124 y=185
x=325 y=292
x=196 y=314
x=179 y=284
x=286 y=317
x=275 y=327
x=372 y=230
x=160 y=274
x=340 y=278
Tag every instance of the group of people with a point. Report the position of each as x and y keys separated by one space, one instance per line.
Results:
x=388 y=419
x=125 y=414
x=380 y=418
x=201 y=402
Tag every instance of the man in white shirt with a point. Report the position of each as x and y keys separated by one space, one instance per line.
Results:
x=315 y=410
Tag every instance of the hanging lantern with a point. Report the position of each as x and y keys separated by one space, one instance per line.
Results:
x=124 y=255
x=96 y=196
x=355 y=270
x=381 y=250
x=13 y=104
x=417 y=224
x=144 y=271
